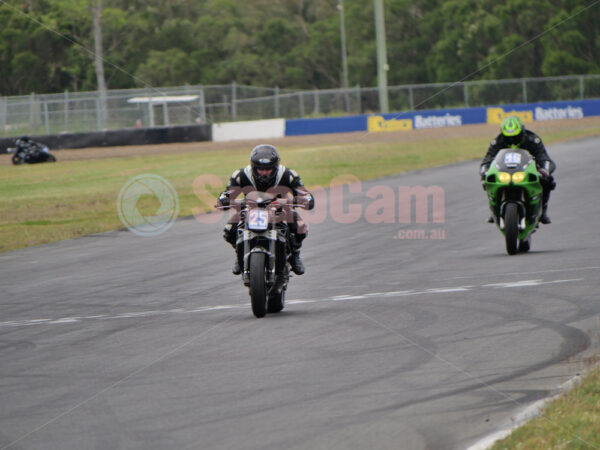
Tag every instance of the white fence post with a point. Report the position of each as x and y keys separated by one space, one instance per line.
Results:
x=31 y=111
x=233 y=102
x=46 y=117
x=301 y=104
x=202 y=106
x=4 y=113
x=66 y=110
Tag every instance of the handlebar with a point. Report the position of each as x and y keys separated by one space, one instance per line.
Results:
x=266 y=203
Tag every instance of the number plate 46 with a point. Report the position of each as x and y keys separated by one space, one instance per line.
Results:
x=512 y=159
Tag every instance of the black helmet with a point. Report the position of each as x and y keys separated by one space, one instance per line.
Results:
x=264 y=157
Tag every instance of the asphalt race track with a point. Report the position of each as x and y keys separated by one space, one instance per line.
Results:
x=389 y=341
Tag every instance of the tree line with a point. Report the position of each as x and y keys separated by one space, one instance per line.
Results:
x=49 y=45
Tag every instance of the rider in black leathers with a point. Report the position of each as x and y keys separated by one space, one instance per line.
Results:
x=266 y=173
x=29 y=151
x=513 y=134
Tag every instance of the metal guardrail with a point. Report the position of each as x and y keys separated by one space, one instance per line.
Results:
x=69 y=112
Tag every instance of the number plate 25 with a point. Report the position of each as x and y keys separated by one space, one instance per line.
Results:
x=258 y=219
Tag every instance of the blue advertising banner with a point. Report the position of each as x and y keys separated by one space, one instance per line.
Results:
x=433 y=118
x=298 y=127
x=454 y=117
x=528 y=112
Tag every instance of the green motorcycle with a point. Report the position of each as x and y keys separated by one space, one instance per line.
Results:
x=514 y=192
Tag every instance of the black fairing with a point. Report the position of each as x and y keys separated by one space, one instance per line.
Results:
x=510 y=164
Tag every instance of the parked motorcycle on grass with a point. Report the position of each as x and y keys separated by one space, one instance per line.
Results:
x=263 y=248
x=514 y=192
x=30 y=152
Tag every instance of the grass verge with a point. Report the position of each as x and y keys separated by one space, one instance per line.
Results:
x=569 y=422
x=50 y=202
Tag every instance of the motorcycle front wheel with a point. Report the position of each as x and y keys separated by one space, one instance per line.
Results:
x=511 y=228
x=17 y=160
x=258 y=284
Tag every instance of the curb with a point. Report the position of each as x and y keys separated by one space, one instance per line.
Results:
x=530 y=412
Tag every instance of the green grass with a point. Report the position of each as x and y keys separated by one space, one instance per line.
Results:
x=570 y=422
x=50 y=202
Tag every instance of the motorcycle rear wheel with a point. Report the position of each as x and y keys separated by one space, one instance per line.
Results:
x=258 y=285
x=511 y=228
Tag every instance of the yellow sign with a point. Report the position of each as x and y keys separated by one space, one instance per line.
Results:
x=378 y=123
x=497 y=115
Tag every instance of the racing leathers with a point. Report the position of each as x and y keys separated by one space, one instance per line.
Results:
x=286 y=181
x=533 y=144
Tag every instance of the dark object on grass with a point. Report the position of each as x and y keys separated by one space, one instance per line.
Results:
x=28 y=151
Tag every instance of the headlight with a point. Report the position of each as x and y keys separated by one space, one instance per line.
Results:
x=504 y=177
x=518 y=177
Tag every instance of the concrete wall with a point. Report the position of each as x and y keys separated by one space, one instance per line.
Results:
x=127 y=136
x=256 y=129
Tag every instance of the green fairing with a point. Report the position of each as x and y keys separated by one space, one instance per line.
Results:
x=500 y=193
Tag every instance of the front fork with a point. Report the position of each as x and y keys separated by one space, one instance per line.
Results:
x=269 y=251
x=517 y=197
x=522 y=215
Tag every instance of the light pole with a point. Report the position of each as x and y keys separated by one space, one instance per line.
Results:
x=340 y=8
x=382 y=65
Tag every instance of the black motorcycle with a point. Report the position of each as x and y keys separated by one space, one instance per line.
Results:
x=263 y=248
x=30 y=153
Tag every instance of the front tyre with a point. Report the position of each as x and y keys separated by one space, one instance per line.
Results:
x=258 y=284
x=17 y=160
x=511 y=228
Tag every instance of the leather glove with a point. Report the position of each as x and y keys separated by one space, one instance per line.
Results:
x=224 y=200
x=307 y=200
x=483 y=172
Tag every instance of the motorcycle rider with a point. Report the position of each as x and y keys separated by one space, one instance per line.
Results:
x=513 y=134
x=25 y=145
x=265 y=173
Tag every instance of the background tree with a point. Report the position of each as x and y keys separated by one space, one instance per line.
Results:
x=288 y=43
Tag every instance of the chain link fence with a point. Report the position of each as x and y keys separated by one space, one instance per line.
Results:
x=39 y=114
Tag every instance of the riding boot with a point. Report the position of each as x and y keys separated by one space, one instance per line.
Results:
x=236 y=269
x=545 y=198
x=239 y=256
x=296 y=262
x=295 y=245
